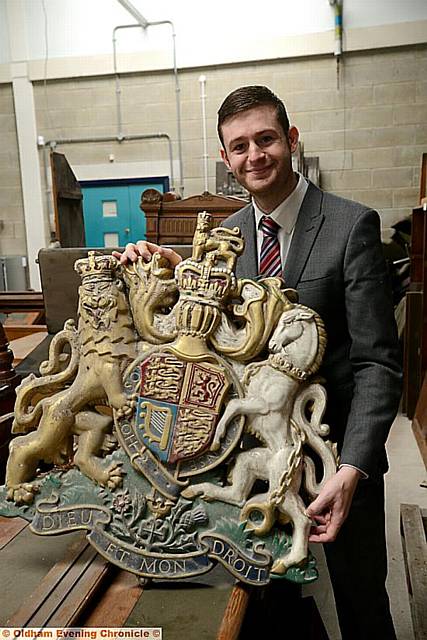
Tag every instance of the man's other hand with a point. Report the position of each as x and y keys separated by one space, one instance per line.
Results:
x=331 y=507
x=146 y=250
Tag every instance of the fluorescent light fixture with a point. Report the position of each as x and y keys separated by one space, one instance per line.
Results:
x=134 y=13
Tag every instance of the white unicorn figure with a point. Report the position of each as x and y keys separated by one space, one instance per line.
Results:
x=284 y=412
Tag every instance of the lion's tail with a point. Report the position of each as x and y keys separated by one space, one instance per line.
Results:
x=313 y=397
x=54 y=377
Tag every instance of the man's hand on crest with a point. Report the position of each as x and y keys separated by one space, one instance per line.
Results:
x=146 y=249
x=330 y=509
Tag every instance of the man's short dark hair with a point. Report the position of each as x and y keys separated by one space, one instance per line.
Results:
x=249 y=97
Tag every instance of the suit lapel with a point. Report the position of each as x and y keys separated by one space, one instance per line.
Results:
x=247 y=264
x=309 y=221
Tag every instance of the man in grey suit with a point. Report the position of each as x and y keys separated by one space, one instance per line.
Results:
x=330 y=251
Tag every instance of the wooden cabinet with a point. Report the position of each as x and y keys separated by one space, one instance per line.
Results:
x=171 y=221
x=415 y=345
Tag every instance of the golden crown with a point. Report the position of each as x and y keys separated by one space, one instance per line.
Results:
x=208 y=276
x=96 y=264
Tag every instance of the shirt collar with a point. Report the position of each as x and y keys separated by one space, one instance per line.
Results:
x=286 y=213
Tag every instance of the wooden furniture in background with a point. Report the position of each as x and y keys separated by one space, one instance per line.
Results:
x=415 y=339
x=28 y=306
x=413 y=526
x=415 y=344
x=9 y=380
x=171 y=221
x=21 y=301
x=25 y=344
x=67 y=198
x=21 y=331
x=423 y=178
x=419 y=422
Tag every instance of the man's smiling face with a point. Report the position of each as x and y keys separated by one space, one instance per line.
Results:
x=258 y=152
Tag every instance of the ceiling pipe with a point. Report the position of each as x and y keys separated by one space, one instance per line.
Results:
x=337 y=6
x=134 y=13
x=137 y=136
x=117 y=80
x=144 y=24
x=202 y=81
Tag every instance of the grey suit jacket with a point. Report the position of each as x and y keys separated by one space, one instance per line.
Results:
x=336 y=264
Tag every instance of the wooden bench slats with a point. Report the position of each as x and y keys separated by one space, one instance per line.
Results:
x=22 y=617
x=415 y=556
x=59 y=608
x=82 y=592
x=65 y=589
x=9 y=528
x=71 y=595
x=115 y=604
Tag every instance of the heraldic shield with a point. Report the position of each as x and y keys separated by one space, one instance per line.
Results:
x=178 y=422
x=178 y=405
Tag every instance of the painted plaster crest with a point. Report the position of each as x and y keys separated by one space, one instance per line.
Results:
x=178 y=421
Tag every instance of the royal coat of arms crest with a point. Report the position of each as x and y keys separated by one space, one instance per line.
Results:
x=178 y=421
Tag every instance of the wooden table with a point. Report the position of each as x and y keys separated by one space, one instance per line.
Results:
x=21 y=347
x=63 y=581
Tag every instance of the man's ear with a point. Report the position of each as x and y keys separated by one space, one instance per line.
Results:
x=293 y=137
x=224 y=158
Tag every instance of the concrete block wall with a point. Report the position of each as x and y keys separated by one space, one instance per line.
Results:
x=369 y=134
x=87 y=107
x=12 y=230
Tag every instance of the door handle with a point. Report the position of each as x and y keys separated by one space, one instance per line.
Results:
x=127 y=230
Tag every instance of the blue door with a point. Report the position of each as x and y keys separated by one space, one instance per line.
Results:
x=111 y=210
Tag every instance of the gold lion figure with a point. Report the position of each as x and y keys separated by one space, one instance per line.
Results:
x=66 y=401
x=64 y=413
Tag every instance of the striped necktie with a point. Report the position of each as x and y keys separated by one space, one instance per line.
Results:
x=270 y=263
